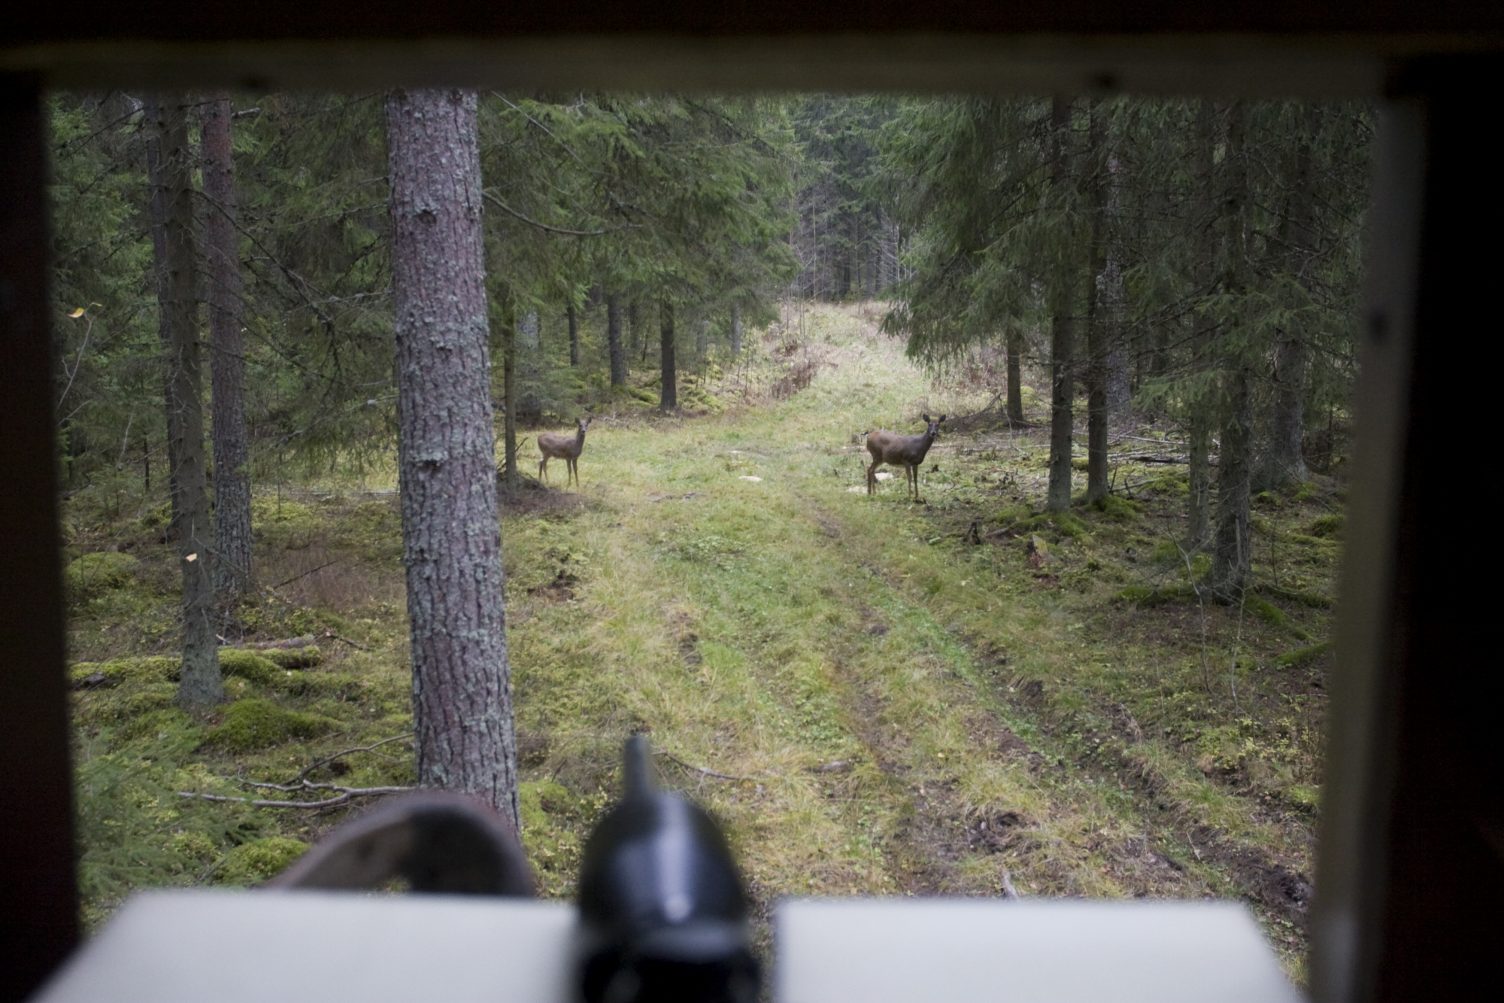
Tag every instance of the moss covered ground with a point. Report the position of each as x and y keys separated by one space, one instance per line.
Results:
x=875 y=696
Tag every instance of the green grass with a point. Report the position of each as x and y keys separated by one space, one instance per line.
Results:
x=906 y=699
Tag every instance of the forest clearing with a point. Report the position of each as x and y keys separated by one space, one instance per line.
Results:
x=970 y=696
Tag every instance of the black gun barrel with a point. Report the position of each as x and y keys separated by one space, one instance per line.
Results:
x=663 y=913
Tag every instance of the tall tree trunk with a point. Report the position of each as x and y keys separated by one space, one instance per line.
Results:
x=1159 y=351
x=1157 y=362
x=1062 y=332
x=1015 y=351
x=736 y=330
x=1113 y=299
x=462 y=702
x=509 y=396
x=157 y=213
x=232 y=478
x=1199 y=471
x=639 y=330
x=1231 y=547
x=1232 y=550
x=1284 y=460
x=668 y=395
x=574 y=335
x=1097 y=322
x=1200 y=411
x=1062 y=391
x=200 y=685
x=615 y=347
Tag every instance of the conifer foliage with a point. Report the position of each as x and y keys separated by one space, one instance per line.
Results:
x=1210 y=253
x=1192 y=263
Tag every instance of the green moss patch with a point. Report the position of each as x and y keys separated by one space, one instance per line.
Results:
x=1144 y=595
x=1303 y=656
x=1306 y=797
x=248 y=665
x=148 y=669
x=1117 y=507
x=95 y=574
x=1067 y=525
x=1327 y=525
x=256 y=724
x=293 y=658
x=553 y=820
x=167 y=727
x=255 y=862
x=1271 y=614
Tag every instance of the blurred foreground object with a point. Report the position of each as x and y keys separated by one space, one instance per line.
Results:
x=435 y=841
x=663 y=915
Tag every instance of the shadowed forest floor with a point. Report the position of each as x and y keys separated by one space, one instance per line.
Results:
x=876 y=697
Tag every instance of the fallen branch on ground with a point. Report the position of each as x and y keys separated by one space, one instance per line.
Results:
x=303 y=776
x=700 y=769
x=345 y=796
x=1009 y=892
x=305 y=574
x=341 y=795
x=290 y=642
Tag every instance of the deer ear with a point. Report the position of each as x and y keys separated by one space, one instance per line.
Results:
x=942 y=418
x=925 y=416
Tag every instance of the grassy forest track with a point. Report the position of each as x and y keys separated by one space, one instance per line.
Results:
x=913 y=713
x=878 y=697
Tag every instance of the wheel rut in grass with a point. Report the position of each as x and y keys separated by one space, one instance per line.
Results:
x=1279 y=891
x=945 y=840
x=932 y=833
x=1174 y=854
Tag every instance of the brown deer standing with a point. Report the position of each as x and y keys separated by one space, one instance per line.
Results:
x=905 y=451
x=562 y=446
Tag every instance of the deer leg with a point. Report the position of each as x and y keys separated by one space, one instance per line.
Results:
x=574 y=471
x=872 y=477
x=543 y=470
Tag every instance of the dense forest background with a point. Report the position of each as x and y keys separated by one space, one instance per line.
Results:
x=1138 y=314
x=1203 y=258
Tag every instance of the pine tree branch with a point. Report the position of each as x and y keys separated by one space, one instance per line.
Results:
x=305 y=288
x=545 y=129
x=533 y=222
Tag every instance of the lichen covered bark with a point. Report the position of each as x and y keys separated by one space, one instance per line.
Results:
x=451 y=536
x=232 y=480
x=200 y=685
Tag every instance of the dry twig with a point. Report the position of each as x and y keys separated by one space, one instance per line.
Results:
x=700 y=769
x=305 y=574
x=345 y=796
x=289 y=642
x=301 y=777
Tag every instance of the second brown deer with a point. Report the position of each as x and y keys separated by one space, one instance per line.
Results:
x=905 y=451
x=563 y=446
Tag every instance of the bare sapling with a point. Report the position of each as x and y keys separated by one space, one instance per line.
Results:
x=907 y=451
x=563 y=446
